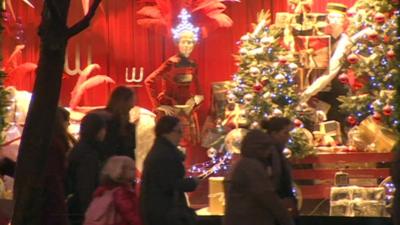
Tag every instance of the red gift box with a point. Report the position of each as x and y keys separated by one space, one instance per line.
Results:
x=314 y=51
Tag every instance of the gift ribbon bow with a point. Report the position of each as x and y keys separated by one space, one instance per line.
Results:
x=309 y=52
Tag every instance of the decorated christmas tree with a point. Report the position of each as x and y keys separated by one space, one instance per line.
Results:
x=265 y=83
x=369 y=68
x=3 y=99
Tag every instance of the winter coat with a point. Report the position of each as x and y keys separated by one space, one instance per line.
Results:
x=55 y=211
x=251 y=197
x=125 y=202
x=163 y=174
x=82 y=177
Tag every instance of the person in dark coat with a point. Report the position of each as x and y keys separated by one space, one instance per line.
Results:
x=84 y=164
x=55 y=210
x=250 y=192
x=121 y=133
x=163 y=176
x=278 y=129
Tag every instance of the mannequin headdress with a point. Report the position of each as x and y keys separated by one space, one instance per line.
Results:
x=185 y=26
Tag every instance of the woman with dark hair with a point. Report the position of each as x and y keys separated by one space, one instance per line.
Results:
x=250 y=192
x=278 y=128
x=84 y=166
x=55 y=211
x=163 y=177
x=120 y=137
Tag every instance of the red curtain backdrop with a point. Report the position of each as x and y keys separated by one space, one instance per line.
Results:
x=117 y=42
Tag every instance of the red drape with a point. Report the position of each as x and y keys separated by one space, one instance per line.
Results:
x=117 y=43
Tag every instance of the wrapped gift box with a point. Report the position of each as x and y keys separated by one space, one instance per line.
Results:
x=216 y=196
x=357 y=201
x=314 y=51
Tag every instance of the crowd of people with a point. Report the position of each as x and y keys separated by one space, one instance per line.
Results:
x=96 y=176
x=98 y=173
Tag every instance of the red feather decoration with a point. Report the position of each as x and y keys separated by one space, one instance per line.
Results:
x=86 y=85
x=207 y=14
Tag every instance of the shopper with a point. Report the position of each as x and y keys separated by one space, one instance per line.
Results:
x=250 y=192
x=55 y=211
x=84 y=166
x=115 y=201
x=121 y=133
x=278 y=128
x=163 y=178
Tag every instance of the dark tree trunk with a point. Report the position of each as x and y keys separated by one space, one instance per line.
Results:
x=29 y=192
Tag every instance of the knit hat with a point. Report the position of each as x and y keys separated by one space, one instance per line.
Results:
x=333 y=7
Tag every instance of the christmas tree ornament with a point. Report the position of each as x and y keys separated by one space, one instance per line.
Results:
x=255 y=125
x=387 y=110
x=277 y=112
x=257 y=87
x=352 y=58
x=390 y=55
x=343 y=78
x=212 y=152
x=379 y=18
x=243 y=51
x=377 y=117
x=248 y=98
x=266 y=40
x=266 y=95
x=254 y=72
x=233 y=140
x=298 y=123
x=351 y=120
x=264 y=80
x=386 y=39
x=372 y=35
x=231 y=98
x=282 y=60
x=245 y=38
x=279 y=78
x=293 y=67
x=287 y=153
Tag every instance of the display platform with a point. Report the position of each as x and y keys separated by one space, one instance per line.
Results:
x=314 y=220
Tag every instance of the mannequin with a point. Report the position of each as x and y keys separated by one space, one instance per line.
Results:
x=327 y=87
x=178 y=74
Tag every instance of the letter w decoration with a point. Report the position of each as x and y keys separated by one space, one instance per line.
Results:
x=77 y=69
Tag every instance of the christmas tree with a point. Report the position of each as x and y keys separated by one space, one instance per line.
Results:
x=369 y=68
x=3 y=99
x=265 y=84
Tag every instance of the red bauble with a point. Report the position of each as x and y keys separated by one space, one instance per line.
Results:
x=377 y=117
x=390 y=55
x=257 y=87
x=387 y=110
x=343 y=78
x=379 y=18
x=357 y=86
x=283 y=60
x=351 y=120
x=297 y=123
x=264 y=81
x=373 y=35
x=386 y=38
x=352 y=58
